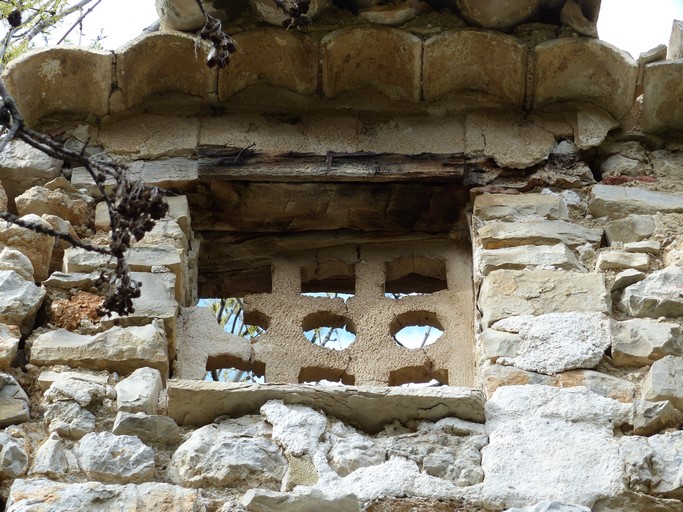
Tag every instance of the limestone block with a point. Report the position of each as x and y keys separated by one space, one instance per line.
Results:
x=47 y=378
x=270 y=13
x=506 y=293
x=644 y=247
x=273 y=57
x=119 y=349
x=498 y=344
x=675 y=48
x=14 y=402
x=617 y=202
x=83 y=392
x=533 y=427
x=303 y=501
x=11 y=259
x=629 y=501
x=462 y=61
x=47 y=496
x=68 y=281
x=351 y=450
x=385 y=59
x=9 y=345
x=626 y=278
x=180 y=15
x=36 y=247
x=556 y=256
x=621 y=390
x=52 y=459
x=619 y=165
x=3 y=197
x=632 y=228
x=139 y=392
x=667 y=164
x=652 y=464
x=659 y=294
x=19 y=300
x=163 y=63
x=107 y=457
x=40 y=200
x=497 y=14
x=68 y=419
x=591 y=124
x=393 y=15
x=296 y=428
x=557 y=342
x=661 y=89
x=617 y=260
x=511 y=140
x=149 y=428
x=640 y=341
x=61 y=81
x=216 y=458
x=652 y=417
x=519 y=206
x=582 y=69
x=498 y=234
x=551 y=506
x=22 y=167
x=664 y=381
x=13 y=457
x=200 y=339
x=200 y=402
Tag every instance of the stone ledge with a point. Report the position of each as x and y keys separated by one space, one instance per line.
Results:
x=369 y=408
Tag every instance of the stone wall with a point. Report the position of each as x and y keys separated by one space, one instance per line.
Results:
x=531 y=210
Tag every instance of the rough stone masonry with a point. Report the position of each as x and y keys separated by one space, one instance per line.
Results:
x=488 y=169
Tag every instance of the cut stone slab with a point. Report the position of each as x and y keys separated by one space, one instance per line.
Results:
x=661 y=90
x=641 y=341
x=368 y=408
x=509 y=234
x=261 y=500
x=498 y=344
x=506 y=293
x=617 y=202
x=11 y=259
x=497 y=15
x=652 y=417
x=632 y=228
x=659 y=294
x=644 y=247
x=14 y=402
x=9 y=345
x=35 y=246
x=139 y=392
x=13 y=457
x=19 y=300
x=557 y=342
x=617 y=260
x=48 y=496
x=664 y=381
x=523 y=256
x=547 y=443
x=107 y=457
x=517 y=206
x=83 y=392
x=149 y=428
x=22 y=167
x=45 y=379
x=627 y=278
x=120 y=349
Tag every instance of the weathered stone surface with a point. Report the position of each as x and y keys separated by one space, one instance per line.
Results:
x=627 y=278
x=70 y=313
x=22 y=167
x=652 y=417
x=498 y=344
x=262 y=500
x=3 y=198
x=14 y=402
x=617 y=202
x=621 y=390
x=296 y=428
x=637 y=502
x=48 y=496
x=497 y=15
x=19 y=300
x=272 y=57
x=68 y=419
x=47 y=378
x=216 y=457
x=36 y=247
x=201 y=339
x=393 y=15
x=459 y=62
x=153 y=429
x=617 y=260
x=139 y=392
x=644 y=247
x=370 y=408
x=633 y=228
x=664 y=381
x=351 y=450
x=591 y=124
x=641 y=341
x=270 y=13
x=659 y=294
x=181 y=15
x=652 y=464
x=11 y=259
x=619 y=165
x=661 y=90
x=551 y=506
x=13 y=457
x=557 y=342
x=582 y=69
x=52 y=459
x=9 y=345
x=83 y=392
x=120 y=349
x=506 y=293
x=512 y=141
x=544 y=444
x=523 y=256
x=546 y=232
x=119 y=459
x=40 y=200
x=69 y=281
x=384 y=59
x=519 y=206
x=667 y=163
x=65 y=80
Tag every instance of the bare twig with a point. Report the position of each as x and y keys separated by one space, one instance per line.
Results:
x=78 y=21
